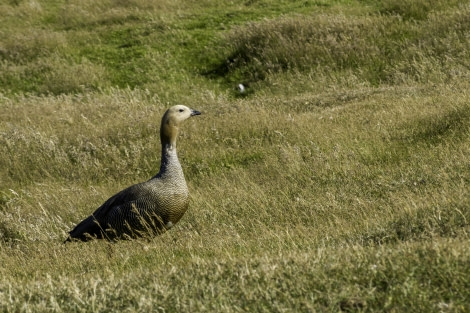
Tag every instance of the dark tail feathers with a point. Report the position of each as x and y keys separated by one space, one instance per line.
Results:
x=86 y=230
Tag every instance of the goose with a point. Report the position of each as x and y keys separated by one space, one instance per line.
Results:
x=150 y=207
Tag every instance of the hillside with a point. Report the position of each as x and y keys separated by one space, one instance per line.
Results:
x=338 y=181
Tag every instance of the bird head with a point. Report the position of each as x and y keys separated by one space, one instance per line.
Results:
x=171 y=121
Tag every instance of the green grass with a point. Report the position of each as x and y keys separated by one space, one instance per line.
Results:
x=338 y=182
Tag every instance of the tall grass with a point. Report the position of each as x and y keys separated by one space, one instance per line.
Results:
x=338 y=182
x=377 y=49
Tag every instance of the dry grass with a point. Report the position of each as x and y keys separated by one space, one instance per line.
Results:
x=311 y=193
x=360 y=192
x=373 y=49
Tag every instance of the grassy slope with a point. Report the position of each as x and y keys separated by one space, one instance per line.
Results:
x=340 y=182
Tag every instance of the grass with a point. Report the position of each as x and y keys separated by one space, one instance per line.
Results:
x=338 y=182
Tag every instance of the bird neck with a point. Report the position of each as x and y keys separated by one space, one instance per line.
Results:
x=169 y=151
x=169 y=162
x=168 y=138
x=170 y=165
x=168 y=134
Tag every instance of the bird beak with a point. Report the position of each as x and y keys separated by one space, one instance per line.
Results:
x=194 y=112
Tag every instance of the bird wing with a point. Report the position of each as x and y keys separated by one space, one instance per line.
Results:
x=128 y=195
x=95 y=223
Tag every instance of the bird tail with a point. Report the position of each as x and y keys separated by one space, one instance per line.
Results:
x=86 y=230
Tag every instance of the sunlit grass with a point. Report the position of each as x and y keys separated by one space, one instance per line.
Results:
x=331 y=185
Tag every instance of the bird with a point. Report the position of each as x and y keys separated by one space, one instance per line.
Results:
x=150 y=207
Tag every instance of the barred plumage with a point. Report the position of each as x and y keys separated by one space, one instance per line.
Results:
x=150 y=207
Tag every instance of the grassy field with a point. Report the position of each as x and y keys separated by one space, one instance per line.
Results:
x=339 y=181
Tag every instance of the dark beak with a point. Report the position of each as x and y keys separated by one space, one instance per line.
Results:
x=194 y=112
